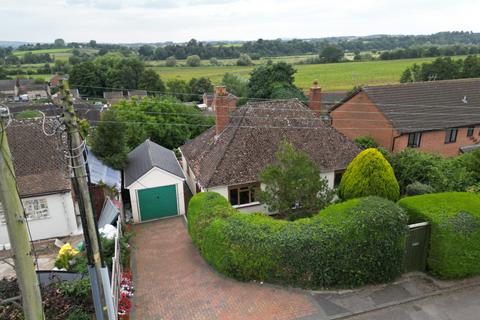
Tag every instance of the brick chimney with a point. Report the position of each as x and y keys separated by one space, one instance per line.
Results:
x=222 y=108
x=314 y=98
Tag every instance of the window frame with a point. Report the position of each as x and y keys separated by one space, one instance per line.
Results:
x=414 y=140
x=470 y=131
x=451 y=135
x=250 y=187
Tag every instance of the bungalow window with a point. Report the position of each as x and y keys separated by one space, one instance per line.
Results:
x=36 y=209
x=242 y=194
x=451 y=135
x=414 y=139
x=470 y=131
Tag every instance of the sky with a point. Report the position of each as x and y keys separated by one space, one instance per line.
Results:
x=130 y=21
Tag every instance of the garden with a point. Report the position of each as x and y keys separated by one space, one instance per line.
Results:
x=72 y=300
x=359 y=236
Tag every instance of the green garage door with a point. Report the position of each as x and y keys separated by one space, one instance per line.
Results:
x=157 y=202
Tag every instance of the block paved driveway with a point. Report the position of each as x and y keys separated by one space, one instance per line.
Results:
x=174 y=282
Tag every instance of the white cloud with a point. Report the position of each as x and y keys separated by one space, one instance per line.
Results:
x=170 y=20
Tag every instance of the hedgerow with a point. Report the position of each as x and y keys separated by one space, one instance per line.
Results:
x=348 y=244
x=369 y=174
x=455 y=231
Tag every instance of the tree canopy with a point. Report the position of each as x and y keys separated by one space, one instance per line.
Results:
x=293 y=185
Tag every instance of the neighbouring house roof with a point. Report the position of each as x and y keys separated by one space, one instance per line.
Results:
x=251 y=139
x=208 y=98
x=426 y=106
x=137 y=93
x=39 y=160
x=113 y=95
x=25 y=85
x=90 y=112
x=55 y=80
x=147 y=156
x=330 y=99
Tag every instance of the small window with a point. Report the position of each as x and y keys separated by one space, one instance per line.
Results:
x=414 y=139
x=36 y=209
x=242 y=194
x=451 y=135
x=470 y=131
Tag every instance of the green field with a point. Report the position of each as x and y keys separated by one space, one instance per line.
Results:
x=57 y=54
x=332 y=76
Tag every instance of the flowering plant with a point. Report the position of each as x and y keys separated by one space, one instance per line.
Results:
x=126 y=292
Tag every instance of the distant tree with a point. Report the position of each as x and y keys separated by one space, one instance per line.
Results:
x=193 y=61
x=92 y=44
x=471 y=67
x=235 y=84
x=244 y=60
x=59 y=43
x=3 y=73
x=365 y=142
x=171 y=61
x=406 y=76
x=179 y=89
x=150 y=80
x=214 y=61
x=164 y=120
x=357 y=56
x=199 y=86
x=293 y=185
x=267 y=78
x=146 y=51
x=109 y=140
x=331 y=54
x=86 y=78
x=369 y=174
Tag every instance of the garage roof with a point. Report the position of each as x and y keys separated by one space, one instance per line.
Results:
x=148 y=155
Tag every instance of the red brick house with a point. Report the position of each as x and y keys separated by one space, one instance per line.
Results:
x=437 y=116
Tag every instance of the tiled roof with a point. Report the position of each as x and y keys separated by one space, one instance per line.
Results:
x=113 y=95
x=148 y=155
x=137 y=93
x=250 y=141
x=432 y=105
x=90 y=112
x=39 y=160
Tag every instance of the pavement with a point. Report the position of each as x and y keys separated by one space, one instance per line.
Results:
x=174 y=282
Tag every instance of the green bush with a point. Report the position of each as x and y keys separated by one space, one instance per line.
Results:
x=349 y=244
x=442 y=174
x=455 y=231
x=203 y=208
x=418 y=188
x=369 y=174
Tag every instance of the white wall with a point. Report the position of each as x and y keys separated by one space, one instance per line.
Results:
x=190 y=177
x=155 y=178
x=330 y=178
x=61 y=222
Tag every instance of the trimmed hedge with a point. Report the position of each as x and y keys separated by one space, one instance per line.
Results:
x=369 y=174
x=348 y=244
x=455 y=231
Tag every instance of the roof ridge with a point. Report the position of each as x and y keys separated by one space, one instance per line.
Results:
x=421 y=82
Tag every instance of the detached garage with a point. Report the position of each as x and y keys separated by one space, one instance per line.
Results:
x=155 y=181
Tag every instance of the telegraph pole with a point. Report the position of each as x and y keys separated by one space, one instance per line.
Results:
x=17 y=230
x=80 y=172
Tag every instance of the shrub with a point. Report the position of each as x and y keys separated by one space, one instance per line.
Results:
x=244 y=60
x=171 y=61
x=365 y=142
x=203 y=208
x=353 y=243
x=369 y=174
x=193 y=61
x=418 y=188
x=455 y=231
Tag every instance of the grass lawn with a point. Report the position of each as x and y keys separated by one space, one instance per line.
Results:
x=332 y=76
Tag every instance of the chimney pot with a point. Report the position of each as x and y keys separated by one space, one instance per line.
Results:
x=315 y=97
